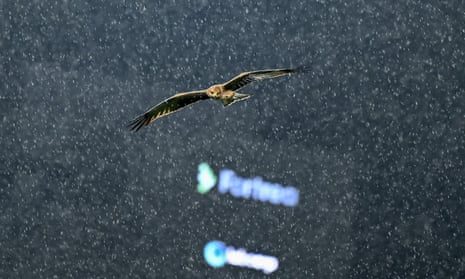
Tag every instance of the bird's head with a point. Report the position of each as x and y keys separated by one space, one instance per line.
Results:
x=214 y=91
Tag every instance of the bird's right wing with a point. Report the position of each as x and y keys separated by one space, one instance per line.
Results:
x=166 y=107
x=245 y=78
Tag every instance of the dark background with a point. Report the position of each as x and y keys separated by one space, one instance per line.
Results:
x=373 y=137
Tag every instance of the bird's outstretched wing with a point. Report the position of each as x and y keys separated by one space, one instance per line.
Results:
x=247 y=77
x=166 y=107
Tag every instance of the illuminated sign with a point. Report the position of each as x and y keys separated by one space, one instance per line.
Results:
x=254 y=188
x=217 y=254
x=206 y=178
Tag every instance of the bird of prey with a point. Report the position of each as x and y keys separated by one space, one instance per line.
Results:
x=226 y=93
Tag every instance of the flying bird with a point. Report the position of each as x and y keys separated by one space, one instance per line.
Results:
x=226 y=93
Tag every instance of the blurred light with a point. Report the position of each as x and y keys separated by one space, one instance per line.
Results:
x=216 y=254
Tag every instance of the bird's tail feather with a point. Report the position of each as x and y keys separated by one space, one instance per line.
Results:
x=236 y=98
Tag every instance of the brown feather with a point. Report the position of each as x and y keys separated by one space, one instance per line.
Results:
x=245 y=78
x=168 y=106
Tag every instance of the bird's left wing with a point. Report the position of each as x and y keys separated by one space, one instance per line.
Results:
x=166 y=107
x=247 y=77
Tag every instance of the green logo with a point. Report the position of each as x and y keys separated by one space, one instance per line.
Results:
x=206 y=178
